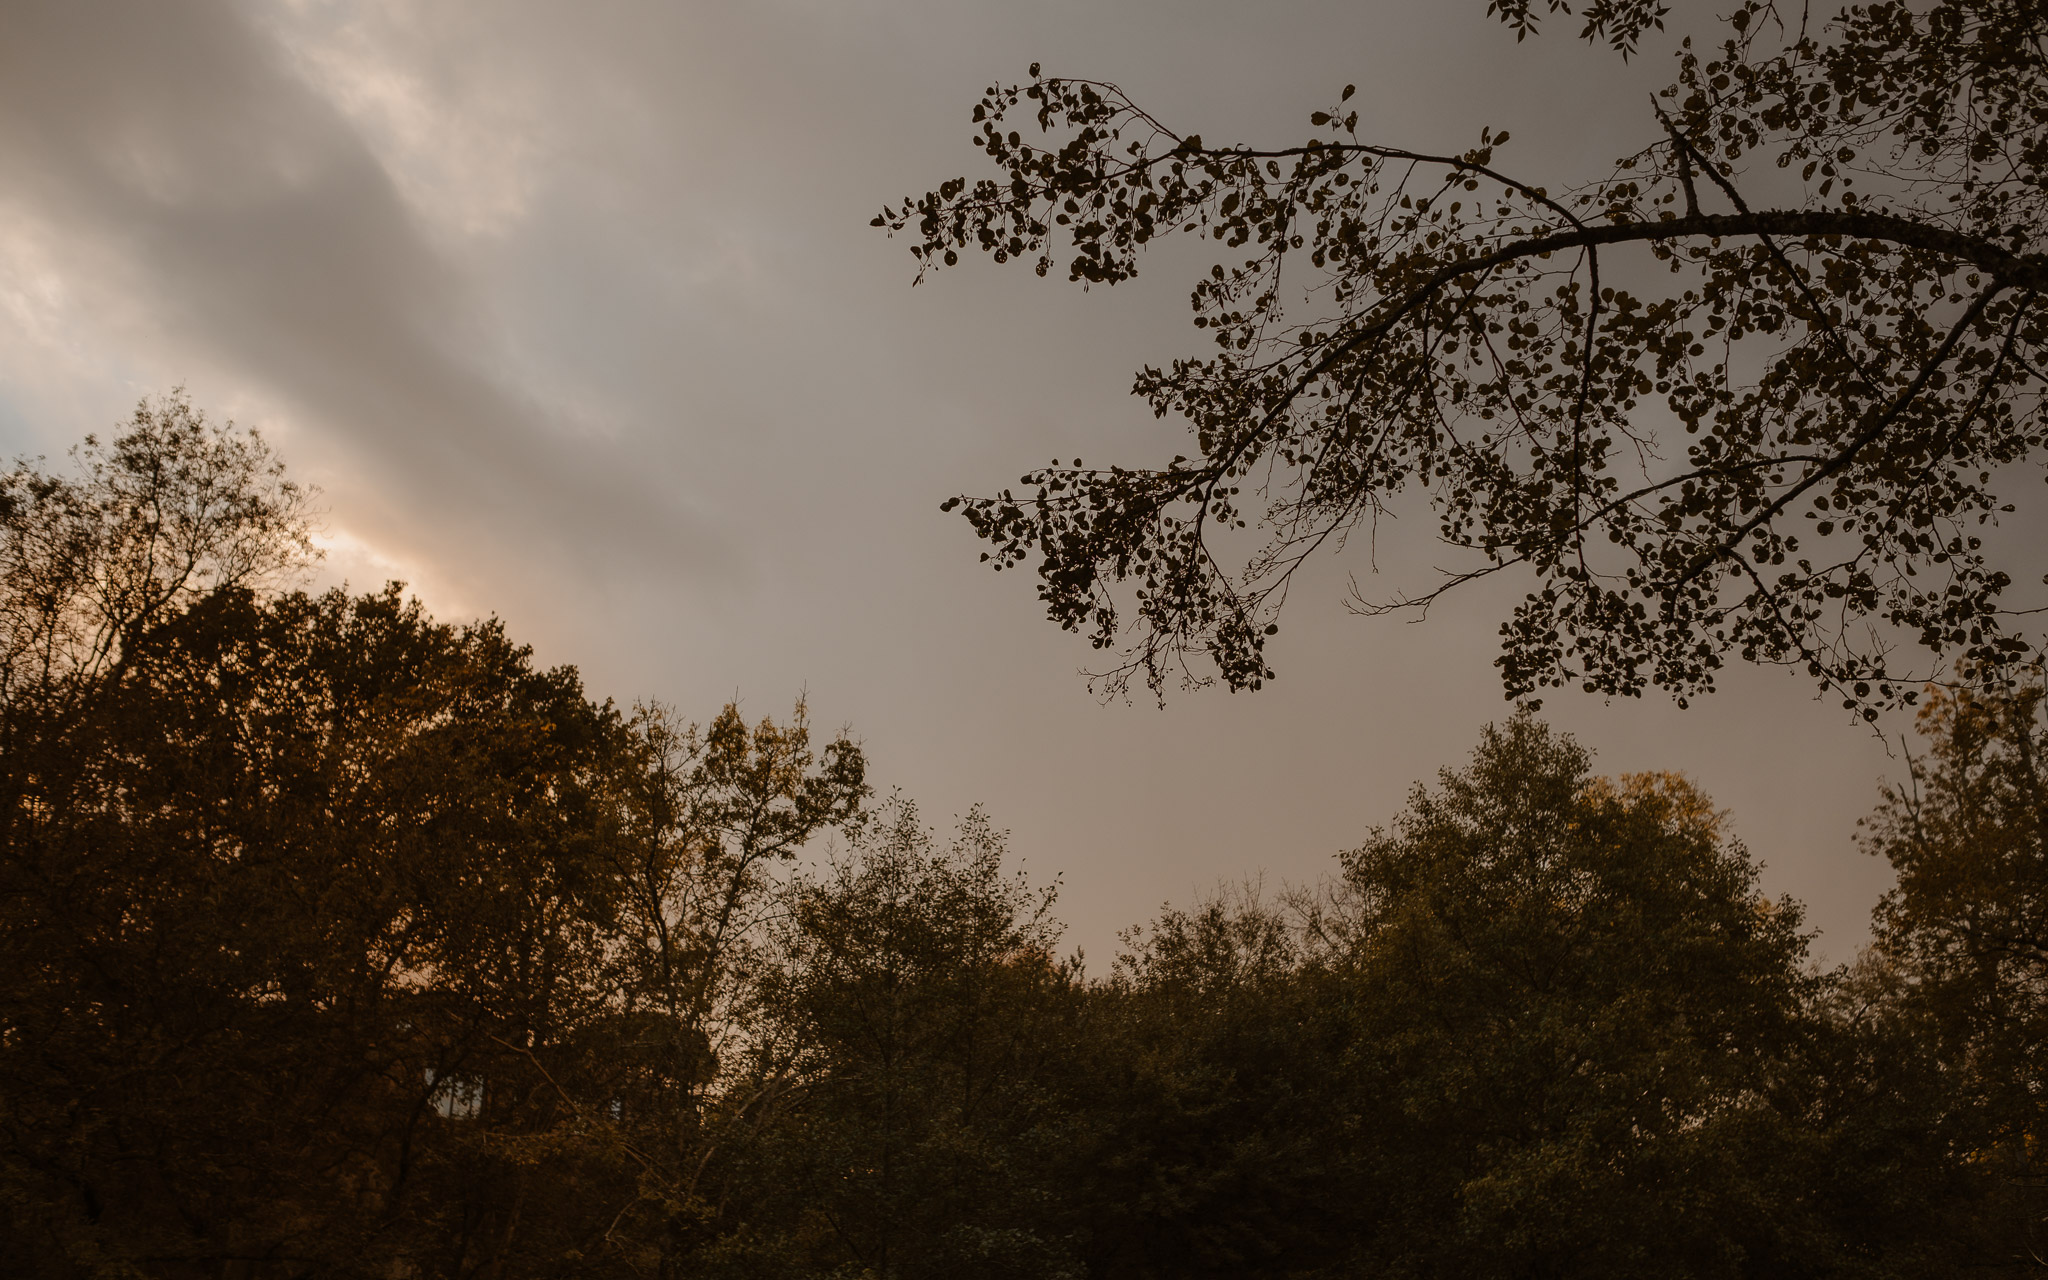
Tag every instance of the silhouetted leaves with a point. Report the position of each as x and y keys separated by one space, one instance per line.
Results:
x=1786 y=451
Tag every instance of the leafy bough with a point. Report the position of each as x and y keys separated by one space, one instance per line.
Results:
x=1853 y=371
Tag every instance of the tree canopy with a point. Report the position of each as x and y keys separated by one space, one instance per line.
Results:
x=1966 y=927
x=1757 y=392
x=339 y=941
x=323 y=925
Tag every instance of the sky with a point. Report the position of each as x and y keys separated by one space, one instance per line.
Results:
x=573 y=314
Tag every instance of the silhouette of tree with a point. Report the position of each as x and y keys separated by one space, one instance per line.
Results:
x=1711 y=409
x=334 y=939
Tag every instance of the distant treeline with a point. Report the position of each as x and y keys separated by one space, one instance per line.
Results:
x=339 y=942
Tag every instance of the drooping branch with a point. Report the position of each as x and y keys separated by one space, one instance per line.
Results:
x=1460 y=362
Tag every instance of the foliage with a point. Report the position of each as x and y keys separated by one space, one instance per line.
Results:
x=1543 y=1025
x=1227 y=1151
x=1967 y=930
x=171 y=509
x=925 y=1039
x=332 y=937
x=1576 y=1001
x=337 y=941
x=1711 y=409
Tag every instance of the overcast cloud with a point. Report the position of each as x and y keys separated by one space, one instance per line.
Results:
x=574 y=315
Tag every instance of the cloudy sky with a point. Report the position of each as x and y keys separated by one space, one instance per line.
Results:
x=573 y=314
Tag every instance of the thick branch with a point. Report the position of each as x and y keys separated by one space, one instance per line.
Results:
x=2029 y=271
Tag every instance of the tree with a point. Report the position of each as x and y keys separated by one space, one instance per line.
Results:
x=667 y=1084
x=1544 y=1024
x=1573 y=1002
x=289 y=871
x=1711 y=409
x=173 y=508
x=1966 y=929
x=1223 y=1093
x=334 y=939
x=925 y=1060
